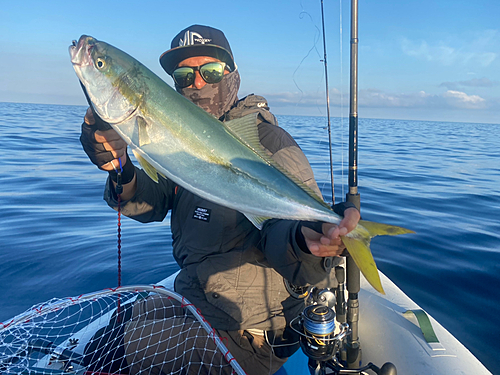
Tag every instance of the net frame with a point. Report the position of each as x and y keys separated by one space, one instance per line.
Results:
x=26 y=347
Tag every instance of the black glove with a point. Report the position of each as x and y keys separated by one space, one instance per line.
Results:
x=98 y=154
x=94 y=150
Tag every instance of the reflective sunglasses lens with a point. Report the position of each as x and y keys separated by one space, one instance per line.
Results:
x=212 y=72
x=183 y=76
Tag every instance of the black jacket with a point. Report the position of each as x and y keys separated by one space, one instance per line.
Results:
x=230 y=270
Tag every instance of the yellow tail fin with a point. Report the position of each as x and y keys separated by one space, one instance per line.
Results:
x=358 y=244
x=379 y=229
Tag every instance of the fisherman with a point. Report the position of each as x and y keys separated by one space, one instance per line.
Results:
x=231 y=271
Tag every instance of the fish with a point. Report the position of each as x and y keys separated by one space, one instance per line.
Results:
x=222 y=162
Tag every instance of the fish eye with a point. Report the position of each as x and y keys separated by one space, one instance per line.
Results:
x=100 y=63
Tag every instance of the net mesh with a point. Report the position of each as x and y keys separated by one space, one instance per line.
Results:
x=128 y=330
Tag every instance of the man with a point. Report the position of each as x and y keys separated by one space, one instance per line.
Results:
x=230 y=270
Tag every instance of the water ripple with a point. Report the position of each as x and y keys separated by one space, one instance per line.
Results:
x=58 y=237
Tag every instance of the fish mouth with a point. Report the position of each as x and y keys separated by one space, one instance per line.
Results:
x=80 y=52
x=81 y=58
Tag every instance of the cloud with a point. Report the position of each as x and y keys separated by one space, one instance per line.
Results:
x=421 y=99
x=373 y=98
x=460 y=99
x=475 y=82
x=309 y=99
x=377 y=98
x=422 y=50
x=479 y=51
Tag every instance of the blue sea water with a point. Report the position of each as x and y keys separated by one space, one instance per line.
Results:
x=58 y=238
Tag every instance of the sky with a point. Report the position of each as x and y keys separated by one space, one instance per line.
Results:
x=435 y=60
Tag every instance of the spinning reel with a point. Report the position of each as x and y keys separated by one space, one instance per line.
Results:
x=322 y=338
x=319 y=339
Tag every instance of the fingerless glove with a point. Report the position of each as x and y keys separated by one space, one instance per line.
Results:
x=99 y=155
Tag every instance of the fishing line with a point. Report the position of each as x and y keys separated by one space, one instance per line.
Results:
x=316 y=38
x=328 y=104
x=302 y=14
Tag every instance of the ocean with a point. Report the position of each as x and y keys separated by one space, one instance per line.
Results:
x=58 y=237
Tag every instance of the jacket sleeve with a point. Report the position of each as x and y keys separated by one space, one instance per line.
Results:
x=282 y=241
x=284 y=247
x=284 y=254
x=151 y=201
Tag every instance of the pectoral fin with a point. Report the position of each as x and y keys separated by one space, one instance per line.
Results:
x=142 y=129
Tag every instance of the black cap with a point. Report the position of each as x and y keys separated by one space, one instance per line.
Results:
x=197 y=40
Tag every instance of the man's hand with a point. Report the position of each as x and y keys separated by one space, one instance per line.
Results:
x=328 y=243
x=103 y=147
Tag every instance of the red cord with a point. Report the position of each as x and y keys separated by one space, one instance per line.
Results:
x=119 y=257
x=119 y=190
x=119 y=242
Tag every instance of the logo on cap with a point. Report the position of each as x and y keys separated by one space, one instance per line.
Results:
x=191 y=38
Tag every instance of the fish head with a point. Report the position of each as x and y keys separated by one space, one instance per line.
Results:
x=109 y=77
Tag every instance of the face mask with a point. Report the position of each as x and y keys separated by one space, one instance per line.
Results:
x=216 y=98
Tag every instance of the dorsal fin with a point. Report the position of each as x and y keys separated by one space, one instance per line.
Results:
x=246 y=130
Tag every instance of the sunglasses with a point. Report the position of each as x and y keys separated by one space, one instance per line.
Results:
x=212 y=72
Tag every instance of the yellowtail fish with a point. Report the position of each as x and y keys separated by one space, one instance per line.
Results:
x=221 y=162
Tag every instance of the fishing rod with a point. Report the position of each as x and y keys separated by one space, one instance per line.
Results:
x=353 y=353
x=327 y=102
x=329 y=337
x=353 y=274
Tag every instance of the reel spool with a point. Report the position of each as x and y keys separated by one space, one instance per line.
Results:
x=318 y=339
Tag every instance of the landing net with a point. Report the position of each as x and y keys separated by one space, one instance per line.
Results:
x=127 y=330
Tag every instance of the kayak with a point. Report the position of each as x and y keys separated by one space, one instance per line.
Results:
x=392 y=328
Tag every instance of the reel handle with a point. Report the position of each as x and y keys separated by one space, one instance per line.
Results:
x=388 y=368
